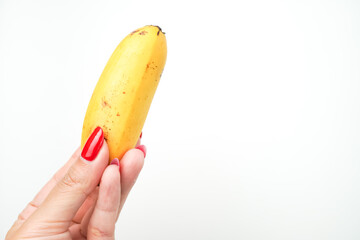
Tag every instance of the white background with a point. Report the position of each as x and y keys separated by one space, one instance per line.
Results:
x=253 y=132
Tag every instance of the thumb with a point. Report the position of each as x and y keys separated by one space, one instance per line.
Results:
x=68 y=195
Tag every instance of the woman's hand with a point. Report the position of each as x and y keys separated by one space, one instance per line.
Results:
x=72 y=205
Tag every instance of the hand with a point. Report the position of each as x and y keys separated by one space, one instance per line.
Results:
x=72 y=205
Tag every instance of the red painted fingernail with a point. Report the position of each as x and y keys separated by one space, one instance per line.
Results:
x=115 y=161
x=141 y=135
x=142 y=148
x=93 y=145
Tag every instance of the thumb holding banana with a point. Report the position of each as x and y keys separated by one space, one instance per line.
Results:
x=57 y=212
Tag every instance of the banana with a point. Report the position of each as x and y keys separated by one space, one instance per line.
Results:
x=125 y=89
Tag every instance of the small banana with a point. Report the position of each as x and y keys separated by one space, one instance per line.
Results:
x=124 y=92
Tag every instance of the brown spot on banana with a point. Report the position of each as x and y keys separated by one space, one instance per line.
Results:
x=104 y=103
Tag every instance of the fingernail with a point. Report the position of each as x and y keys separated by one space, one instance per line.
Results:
x=115 y=161
x=93 y=145
x=141 y=135
x=142 y=148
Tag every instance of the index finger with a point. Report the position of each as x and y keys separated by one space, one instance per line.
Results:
x=42 y=194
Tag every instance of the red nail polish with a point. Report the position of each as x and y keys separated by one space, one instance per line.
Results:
x=93 y=145
x=115 y=161
x=142 y=148
x=141 y=135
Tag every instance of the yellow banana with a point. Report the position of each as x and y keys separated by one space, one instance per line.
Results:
x=123 y=94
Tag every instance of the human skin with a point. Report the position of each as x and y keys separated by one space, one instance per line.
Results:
x=83 y=199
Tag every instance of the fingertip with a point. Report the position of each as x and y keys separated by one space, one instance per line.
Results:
x=110 y=188
x=115 y=162
x=133 y=160
x=111 y=173
x=143 y=149
x=131 y=166
x=102 y=155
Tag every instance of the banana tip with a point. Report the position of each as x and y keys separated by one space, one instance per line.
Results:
x=160 y=30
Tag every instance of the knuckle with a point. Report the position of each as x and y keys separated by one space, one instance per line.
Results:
x=21 y=217
x=98 y=233
x=75 y=180
x=71 y=180
x=30 y=208
x=34 y=205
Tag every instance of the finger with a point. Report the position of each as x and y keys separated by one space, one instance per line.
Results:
x=42 y=194
x=79 y=231
x=75 y=232
x=130 y=167
x=85 y=221
x=68 y=195
x=39 y=198
x=90 y=201
x=88 y=204
x=103 y=219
